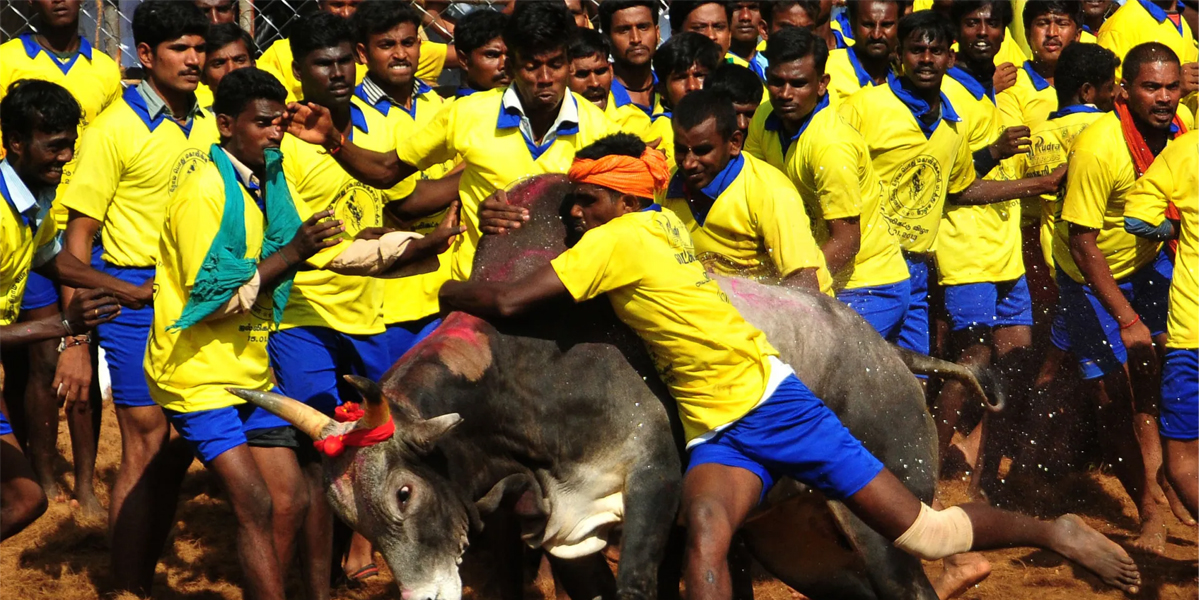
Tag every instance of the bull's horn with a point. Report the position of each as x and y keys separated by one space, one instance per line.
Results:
x=376 y=411
x=306 y=418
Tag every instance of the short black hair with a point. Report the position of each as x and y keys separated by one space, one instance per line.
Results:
x=34 y=104
x=241 y=87
x=680 y=9
x=610 y=7
x=1037 y=8
x=1141 y=54
x=685 y=49
x=1082 y=63
x=380 y=16
x=317 y=32
x=588 y=42
x=224 y=34
x=739 y=83
x=1001 y=9
x=698 y=107
x=158 y=21
x=539 y=27
x=795 y=43
x=810 y=7
x=929 y=24
x=478 y=28
x=622 y=144
x=853 y=7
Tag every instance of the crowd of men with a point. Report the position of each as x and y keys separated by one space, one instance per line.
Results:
x=1007 y=184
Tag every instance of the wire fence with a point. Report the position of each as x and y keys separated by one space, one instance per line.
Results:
x=107 y=23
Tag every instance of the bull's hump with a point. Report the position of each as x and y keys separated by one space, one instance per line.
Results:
x=461 y=343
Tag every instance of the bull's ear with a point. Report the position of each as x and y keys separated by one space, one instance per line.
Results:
x=515 y=485
x=428 y=432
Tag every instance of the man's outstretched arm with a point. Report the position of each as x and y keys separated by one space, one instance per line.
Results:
x=313 y=124
x=503 y=299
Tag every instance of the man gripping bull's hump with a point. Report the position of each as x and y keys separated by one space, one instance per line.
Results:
x=748 y=419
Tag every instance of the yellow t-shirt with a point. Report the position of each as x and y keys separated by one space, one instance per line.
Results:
x=1138 y=22
x=496 y=154
x=204 y=96
x=1100 y=176
x=1028 y=102
x=1172 y=177
x=831 y=168
x=714 y=363
x=432 y=60
x=18 y=243
x=129 y=165
x=846 y=75
x=756 y=226
x=632 y=118
x=979 y=244
x=277 y=60
x=1051 y=143
x=917 y=169
x=320 y=298
x=661 y=129
x=188 y=371
x=411 y=298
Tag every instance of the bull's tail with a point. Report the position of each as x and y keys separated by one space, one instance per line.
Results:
x=981 y=380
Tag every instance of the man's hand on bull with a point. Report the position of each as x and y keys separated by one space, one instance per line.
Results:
x=497 y=216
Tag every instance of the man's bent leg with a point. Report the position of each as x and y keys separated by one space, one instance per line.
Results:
x=716 y=500
x=22 y=500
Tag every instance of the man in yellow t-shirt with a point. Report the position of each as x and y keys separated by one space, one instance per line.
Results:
x=227 y=48
x=920 y=149
x=479 y=42
x=867 y=62
x=1171 y=179
x=828 y=163
x=742 y=213
x=131 y=158
x=1113 y=285
x=1050 y=28
x=682 y=64
x=59 y=54
x=632 y=30
x=40 y=123
x=1140 y=21
x=532 y=127
x=223 y=343
x=747 y=418
x=742 y=86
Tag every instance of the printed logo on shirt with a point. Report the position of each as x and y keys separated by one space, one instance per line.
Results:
x=359 y=206
x=188 y=163
x=916 y=187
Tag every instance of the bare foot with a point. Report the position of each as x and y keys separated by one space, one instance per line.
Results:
x=1087 y=547
x=961 y=572
x=1153 y=536
x=54 y=492
x=88 y=506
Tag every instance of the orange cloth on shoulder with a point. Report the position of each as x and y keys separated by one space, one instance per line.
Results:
x=640 y=177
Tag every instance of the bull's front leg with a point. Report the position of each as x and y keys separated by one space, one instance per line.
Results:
x=652 y=491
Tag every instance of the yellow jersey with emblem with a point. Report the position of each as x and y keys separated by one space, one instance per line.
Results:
x=321 y=298
x=1030 y=100
x=830 y=167
x=630 y=116
x=1100 y=177
x=129 y=165
x=411 y=298
x=978 y=244
x=756 y=226
x=1050 y=144
x=1172 y=178
x=188 y=371
x=496 y=154
x=917 y=169
x=714 y=363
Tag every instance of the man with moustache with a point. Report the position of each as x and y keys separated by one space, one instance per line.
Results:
x=632 y=30
x=479 y=42
x=1051 y=26
x=868 y=62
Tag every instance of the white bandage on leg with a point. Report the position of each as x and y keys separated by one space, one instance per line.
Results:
x=938 y=533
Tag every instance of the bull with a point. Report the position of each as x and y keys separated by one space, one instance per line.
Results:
x=562 y=418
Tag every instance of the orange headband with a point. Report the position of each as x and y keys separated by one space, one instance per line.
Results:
x=639 y=177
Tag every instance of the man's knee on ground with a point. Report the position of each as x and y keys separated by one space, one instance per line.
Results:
x=937 y=534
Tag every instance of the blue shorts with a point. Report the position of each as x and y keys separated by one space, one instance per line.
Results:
x=39 y=292
x=1179 y=412
x=401 y=337
x=214 y=432
x=1058 y=329
x=5 y=426
x=124 y=342
x=792 y=434
x=309 y=363
x=883 y=306
x=914 y=329
x=1003 y=304
x=1094 y=334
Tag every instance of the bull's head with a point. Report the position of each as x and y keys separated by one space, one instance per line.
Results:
x=394 y=491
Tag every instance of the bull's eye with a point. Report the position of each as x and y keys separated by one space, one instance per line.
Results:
x=402 y=497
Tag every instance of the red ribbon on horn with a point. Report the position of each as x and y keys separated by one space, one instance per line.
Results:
x=333 y=446
x=348 y=413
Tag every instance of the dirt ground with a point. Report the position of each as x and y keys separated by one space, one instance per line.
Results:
x=61 y=558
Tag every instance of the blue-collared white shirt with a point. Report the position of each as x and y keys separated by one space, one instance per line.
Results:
x=33 y=208
x=568 y=113
x=156 y=107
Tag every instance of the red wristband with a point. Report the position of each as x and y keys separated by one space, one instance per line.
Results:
x=338 y=148
x=1135 y=320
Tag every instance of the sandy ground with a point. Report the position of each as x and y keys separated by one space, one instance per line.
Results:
x=61 y=558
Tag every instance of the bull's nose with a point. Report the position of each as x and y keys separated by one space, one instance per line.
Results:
x=406 y=594
x=414 y=595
